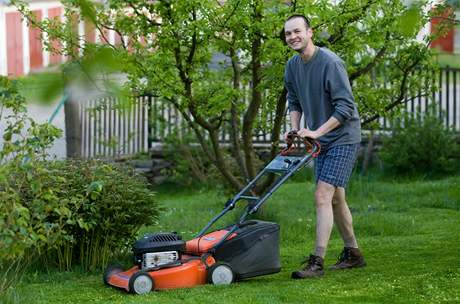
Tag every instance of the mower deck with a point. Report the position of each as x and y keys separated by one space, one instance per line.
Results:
x=190 y=273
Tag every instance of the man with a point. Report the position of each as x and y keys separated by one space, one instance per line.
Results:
x=318 y=86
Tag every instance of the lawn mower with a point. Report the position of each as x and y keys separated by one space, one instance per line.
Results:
x=246 y=249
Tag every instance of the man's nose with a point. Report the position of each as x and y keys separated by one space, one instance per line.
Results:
x=292 y=37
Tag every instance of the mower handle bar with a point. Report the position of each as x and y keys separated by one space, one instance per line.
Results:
x=259 y=201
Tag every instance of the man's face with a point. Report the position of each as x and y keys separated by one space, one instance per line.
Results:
x=297 y=35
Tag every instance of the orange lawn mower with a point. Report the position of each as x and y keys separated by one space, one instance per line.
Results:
x=246 y=249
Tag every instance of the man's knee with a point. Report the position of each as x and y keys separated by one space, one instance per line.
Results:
x=324 y=194
x=339 y=196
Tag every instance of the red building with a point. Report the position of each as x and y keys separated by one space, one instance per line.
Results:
x=21 y=46
x=446 y=43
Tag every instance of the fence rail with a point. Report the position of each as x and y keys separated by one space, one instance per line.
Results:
x=113 y=129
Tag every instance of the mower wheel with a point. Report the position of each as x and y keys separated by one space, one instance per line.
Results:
x=221 y=274
x=110 y=271
x=141 y=283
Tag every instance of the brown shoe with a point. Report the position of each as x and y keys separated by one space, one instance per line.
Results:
x=314 y=268
x=349 y=258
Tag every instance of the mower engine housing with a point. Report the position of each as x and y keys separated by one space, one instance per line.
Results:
x=157 y=249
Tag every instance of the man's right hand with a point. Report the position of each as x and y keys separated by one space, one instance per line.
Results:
x=286 y=134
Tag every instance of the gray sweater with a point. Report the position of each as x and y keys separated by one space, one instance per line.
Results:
x=320 y=89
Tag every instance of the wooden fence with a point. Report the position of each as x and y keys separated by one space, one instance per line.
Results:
x=113 y=129
x=447 y=80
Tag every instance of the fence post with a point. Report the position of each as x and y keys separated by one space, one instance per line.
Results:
x=72 y=126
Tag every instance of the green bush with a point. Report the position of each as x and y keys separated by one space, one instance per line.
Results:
x=103 y=205
x=420 y=144
x=69 y=212
x=24 y=143
x=63 y=212
x=83 y=211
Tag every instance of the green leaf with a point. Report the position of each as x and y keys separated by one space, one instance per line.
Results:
x=409 y=20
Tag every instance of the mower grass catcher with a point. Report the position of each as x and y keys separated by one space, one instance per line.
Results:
x=246 y=249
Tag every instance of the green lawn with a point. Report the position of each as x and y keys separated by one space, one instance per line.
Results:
x=408 y=231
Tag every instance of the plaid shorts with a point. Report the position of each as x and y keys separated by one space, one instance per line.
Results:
x=335 y=164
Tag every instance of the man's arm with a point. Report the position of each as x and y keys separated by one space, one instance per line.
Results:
x=338 y=86
x=295 y=109
x=295 y=120
x=325 y=128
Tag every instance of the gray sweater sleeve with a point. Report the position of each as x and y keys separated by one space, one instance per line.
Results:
x=338 y=87
x=293 y=100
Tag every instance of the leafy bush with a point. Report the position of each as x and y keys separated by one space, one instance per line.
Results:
x=24 y=142
x=70 y=212
x=422 y=144
x=98 y=207
x=65 y=212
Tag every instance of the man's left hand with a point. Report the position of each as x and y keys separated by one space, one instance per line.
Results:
x=308 y=133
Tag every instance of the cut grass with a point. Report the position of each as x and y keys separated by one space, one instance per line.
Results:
x=408 y=231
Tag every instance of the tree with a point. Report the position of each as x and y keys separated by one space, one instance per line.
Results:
x=167 y=49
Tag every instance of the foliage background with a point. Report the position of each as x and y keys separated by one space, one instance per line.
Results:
x=197 y=55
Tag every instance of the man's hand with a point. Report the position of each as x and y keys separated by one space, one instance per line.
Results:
x=308 y=133
x=286 y=134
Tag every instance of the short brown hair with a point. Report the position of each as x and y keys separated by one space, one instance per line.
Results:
x=305 y=19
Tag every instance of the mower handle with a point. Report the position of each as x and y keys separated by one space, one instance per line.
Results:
x=311 y=150
x=294 y=145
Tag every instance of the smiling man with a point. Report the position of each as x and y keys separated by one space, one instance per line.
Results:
x=318 y=87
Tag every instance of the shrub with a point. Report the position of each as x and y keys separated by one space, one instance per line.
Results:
x=422 y=144
x=65 y=212
x=24 y=142
x=85 y=211
x=108 y=205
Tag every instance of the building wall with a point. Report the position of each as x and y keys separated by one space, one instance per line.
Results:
x=36 y=44
x=14 y=45
x=22 y=45
x=446 y=42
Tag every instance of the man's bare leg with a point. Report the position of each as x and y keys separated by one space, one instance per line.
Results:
x=343 y=219
x=324 y=222
x=324 y=216
x=351 y=256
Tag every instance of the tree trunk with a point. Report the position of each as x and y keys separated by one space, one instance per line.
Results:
x=368 y=153
x=72 y=127
x=253 y=108
x=221 y=163
x=276 y=131
x=235 y=118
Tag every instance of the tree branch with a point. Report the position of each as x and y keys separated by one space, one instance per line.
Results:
x=342 y=29
x=143 y=16
x=402 y=92
x=371 y=64
x=193 y=46
x=275 y=135
x=195 y=129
